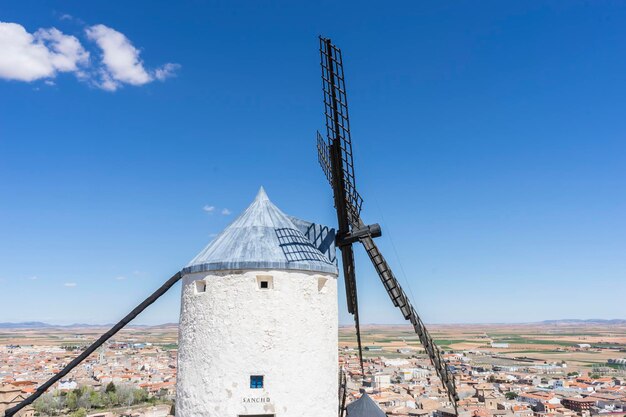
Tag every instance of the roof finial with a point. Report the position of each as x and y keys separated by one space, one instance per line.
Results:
x=261 y=195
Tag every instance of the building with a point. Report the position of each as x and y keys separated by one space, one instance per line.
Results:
x=538 y=400
x=492 y=399
x=373 y=348
x=578 y=404
x=259 y=323
x=10 y=396
x=483 y=390
x=450 y=412
x=381 y=381
x=611 y=401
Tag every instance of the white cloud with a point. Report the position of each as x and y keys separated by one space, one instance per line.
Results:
x=29 y=57
x=119 y=56
x=121 y=61
x=69 y=284
x=68 y=52
x=33 y=278
x=212 y=209
x=166 y=71
x=120 y=278
x=43 y=54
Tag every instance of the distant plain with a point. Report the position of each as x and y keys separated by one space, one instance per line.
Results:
x=549 y=342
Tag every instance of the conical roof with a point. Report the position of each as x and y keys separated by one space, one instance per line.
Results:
x=364 y=407
x=262 y=237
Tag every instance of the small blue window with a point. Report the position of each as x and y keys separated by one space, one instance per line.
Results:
x=256 y=381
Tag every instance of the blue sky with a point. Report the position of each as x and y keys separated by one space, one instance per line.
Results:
x=488 y=140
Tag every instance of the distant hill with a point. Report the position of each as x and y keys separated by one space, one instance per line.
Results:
x=587 y=321
x=24 y=325
x=41 y=325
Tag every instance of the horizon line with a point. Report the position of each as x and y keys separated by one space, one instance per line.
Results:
x=35 y=323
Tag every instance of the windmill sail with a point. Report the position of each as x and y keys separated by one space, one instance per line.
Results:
x=400 y=300
x=335 y=157
x=338 y=122
x=336 y=160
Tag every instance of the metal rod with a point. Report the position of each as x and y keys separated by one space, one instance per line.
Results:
x=342 y=406
x=136 y=311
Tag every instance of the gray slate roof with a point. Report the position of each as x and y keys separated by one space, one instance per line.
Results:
x=263 y=237
x=364 y=407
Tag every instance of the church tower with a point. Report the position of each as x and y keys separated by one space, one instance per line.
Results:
x=258 y=320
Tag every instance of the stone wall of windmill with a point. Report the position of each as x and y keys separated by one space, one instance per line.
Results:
x=235 y=330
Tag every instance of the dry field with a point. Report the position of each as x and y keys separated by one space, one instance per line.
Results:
x=548 y=342
x=164 y=335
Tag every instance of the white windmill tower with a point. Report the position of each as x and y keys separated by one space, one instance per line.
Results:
x=258 y=321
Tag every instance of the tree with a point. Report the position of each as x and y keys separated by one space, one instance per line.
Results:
x=510 y=395
x=110 y=387
x=140 y=396
x=111 y=399
x=84 y=401
x=81 y=412
x=125 y=395
x=71 y=401
x=45 y=404
x=96 y=399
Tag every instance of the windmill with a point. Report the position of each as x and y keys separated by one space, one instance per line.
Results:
x=335 y=157
x=292 y=250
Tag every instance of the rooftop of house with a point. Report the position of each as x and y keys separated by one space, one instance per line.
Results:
x=580 y=400
x=364 y=407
